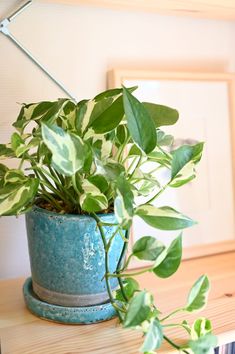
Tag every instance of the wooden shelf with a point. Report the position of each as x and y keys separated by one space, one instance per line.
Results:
x=23 y=333
x=218 y=9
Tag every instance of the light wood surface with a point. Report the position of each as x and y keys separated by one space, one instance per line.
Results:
x=23 y=333
x=219 y=9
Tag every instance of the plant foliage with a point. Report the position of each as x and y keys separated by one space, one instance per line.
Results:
x=88 y=157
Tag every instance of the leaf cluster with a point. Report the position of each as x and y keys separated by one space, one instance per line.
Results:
x=91 y=157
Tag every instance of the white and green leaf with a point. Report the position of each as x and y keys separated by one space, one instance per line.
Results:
x=205 y=344
x=171 y=261
x=138 y=309
x=15 y=198
x=6 y=151
x=161 y=115
x=67 y=149
x=130 y=287
x=92 y=200
x=198 y=294
x=184 y=155
x=124 y=202
x=163 y=218
x=139 y=122
x=147 y=248
x=200 y=328
x=153 y=338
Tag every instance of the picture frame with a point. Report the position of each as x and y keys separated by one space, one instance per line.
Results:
x=208 y=101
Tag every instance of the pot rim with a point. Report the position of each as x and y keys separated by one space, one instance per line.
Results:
x=38 y=209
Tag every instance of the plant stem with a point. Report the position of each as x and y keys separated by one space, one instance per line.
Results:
x=131 y=164
x=158 y=193
x=51 y=200
x=108 y=224
x=136 y=167
x=119 y=265
x=174 y=345
x=127 y=262
x=171 y=314
x=126 y=275
x=107 y=266
x=111 y=238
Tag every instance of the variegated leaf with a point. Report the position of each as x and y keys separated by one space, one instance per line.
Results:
x=42 y=111
x=16 y=142
x=3 y=170
x=184 y=155
x=164 y=218
x=6 y=152
x=67 y=149
x=15 y=198
x=92 y=200
x=105 y=108
x=14 y=176
x=186 y=175
x=84 y=110
x=124 y=202
x=102 y=147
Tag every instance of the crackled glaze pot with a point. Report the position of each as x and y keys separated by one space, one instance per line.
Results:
x=67 y=257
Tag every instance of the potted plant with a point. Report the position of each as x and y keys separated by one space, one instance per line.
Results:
x=78 y=181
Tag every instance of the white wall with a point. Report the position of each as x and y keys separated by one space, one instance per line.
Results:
x=79 y=44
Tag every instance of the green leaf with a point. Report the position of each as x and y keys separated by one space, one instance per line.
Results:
x=187 y=174
x=3 y=170
x=163 y=139
x=139 y=123
x=121 y=133
x=147 y=248
x=99 y=181
x=106 y=115
x=198 y=294
x=135 y=151
x=108 y=93
x=14 y=176
x=204 y=345
x=43 y=111
x=80 y=113
x=112 y=93
x=123 y=203
x=138 y=309
x=153 y=338
x=164 y=218
x=16 y=142
x=15 y=198
x=102 y=147
x=67 y=149
x=113 y=170
x=6 y=152
x=160 y=157
x=200 y=328
x=184 y=155
x=130 y=287
x=161 y=115
x=172 y=260
x=92 y=200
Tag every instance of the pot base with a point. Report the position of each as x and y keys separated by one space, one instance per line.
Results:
x=66 y=315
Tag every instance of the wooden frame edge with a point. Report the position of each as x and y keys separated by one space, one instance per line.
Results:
x=115 y=77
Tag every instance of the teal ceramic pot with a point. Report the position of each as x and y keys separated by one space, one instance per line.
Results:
x=67 y=257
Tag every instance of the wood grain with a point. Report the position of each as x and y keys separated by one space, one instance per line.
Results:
x=219 y=9
x=23 y=333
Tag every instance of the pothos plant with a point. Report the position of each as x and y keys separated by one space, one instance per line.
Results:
x=90 y=157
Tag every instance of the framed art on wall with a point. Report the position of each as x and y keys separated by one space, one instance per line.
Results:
x=205 y=102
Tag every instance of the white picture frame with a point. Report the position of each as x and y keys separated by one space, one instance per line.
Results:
x=208 y=101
